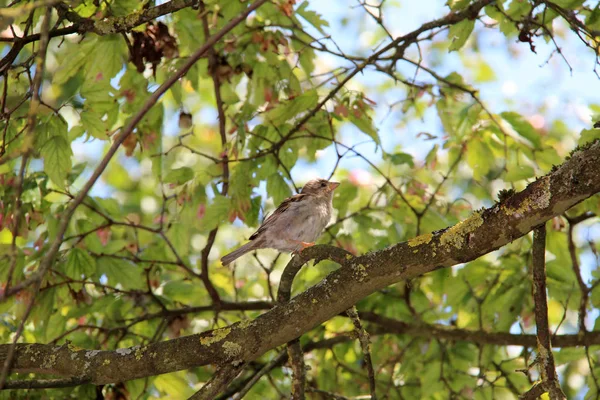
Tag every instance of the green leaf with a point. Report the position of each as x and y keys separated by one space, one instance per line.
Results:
x=459 y=33
x=480 y=158
x=307 y=59
x=93 y=124
x=587 y=135
x=277 y=188
x=343 y=196
x=96 y=91
x=109 y=206
x=229 y=95
x=137 y=387
x=312 y=17
x=180 y=237
x=517 y=173
x=365 y=124
x=57 y=153
x=56 y=326
x=120 y=271
x=183 y=292
x=569 y=4
x=558 y=272
x=44 y=305
x=106 y=59
x=523 y=128
x=74 y=58
x=124 y=7
x=432 y=155
x=52 y=126
x=79 y=263
x=254 y=211
x=240 y=180
x=174 y=385
x=402 y=158
x=216 y=212
x=288 y=110
x=179 y=175
x=457 y=5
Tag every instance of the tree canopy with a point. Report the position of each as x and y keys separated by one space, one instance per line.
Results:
x=142 y=141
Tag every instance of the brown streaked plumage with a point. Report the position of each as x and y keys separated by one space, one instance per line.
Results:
x=295 y=224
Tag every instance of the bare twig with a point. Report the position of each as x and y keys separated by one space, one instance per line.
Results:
x=280 y=358
x=213 y=69
x=365 y=344
x=545 y=357
x=218 y=382
x=294 y=349
x=583 y=288
x=31 y=118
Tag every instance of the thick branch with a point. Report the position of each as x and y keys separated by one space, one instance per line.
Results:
x=110 y=25
x=81 y=25
x=577 y=179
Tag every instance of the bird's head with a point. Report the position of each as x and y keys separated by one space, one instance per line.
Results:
x=320 y=187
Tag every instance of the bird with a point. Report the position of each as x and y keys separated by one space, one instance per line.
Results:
x=295 y=224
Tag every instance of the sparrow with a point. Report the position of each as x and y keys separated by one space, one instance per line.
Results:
x=295 y=224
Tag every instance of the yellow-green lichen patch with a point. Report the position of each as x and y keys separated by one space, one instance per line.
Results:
x=232 y=349
x=419 y=240
x=456 y=235
x=348 y=256
x=49 y=361
x=314 y=301
x=359 y=272
x=538 y=200
x=139 y=352
x=216 y=336
x=72 y=347
x=245 y=323
x=106 y=362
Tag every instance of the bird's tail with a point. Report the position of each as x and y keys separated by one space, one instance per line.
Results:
x=234 y=255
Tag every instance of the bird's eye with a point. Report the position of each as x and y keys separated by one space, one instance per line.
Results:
x=323 y=184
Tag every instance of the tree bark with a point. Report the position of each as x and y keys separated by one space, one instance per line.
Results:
x=483 y=232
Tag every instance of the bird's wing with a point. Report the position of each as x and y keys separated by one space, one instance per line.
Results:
x=283 y=207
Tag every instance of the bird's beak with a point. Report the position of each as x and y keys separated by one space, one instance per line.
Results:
x=333 y=185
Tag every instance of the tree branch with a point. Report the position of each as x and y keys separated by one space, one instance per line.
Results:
x=485 y=231
x=40 y=59
x=294 y=349
x=218 y=382
x=389 y=325
x=213 y=68
x=81 y=25
x=544 y=346
x=365 y=344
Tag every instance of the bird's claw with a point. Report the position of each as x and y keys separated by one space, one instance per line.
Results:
x=303 y=246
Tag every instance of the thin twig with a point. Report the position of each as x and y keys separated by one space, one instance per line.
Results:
x=365 y=344
x=120 y=138
x=218 y=382
x=545 y=357
x=31 y=118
